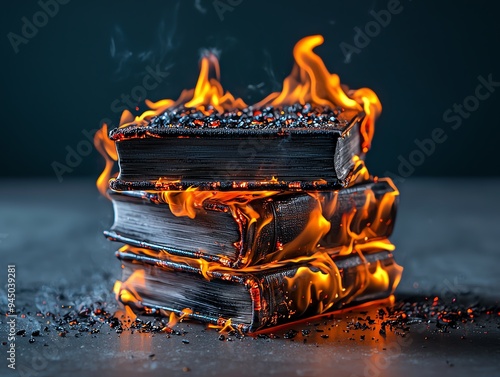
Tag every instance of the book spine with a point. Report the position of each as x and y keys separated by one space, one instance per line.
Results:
x=320 y=286
x=300 y=225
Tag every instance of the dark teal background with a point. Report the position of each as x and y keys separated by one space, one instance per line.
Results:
x=428 y=57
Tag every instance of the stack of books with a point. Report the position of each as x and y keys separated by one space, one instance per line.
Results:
x=255 y=217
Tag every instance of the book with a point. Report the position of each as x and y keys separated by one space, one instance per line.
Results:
x=286 y=148
x=243 y=229
x=255 y=298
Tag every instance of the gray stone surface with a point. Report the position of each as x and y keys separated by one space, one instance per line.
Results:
x=446 y=237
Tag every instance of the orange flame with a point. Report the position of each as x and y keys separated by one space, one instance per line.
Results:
x=128 y=316
x=224 y=326
x=355 y=228
x=173 y=319
x=314 y=291
x=207 y=269
x=311 y=290
x=316 y=228
x=185 y=203
x=366 y=224
x=358 y=226
x=126 y=292
x=208 y=93
x=107 y=149
x=309 y=82
x=320 y=287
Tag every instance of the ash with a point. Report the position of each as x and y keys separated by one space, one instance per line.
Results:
x=294 y=116
x=92 y=311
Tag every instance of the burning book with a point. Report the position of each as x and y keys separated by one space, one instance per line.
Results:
x=238 y=229
x=257 y=215
x=269 y=149
x=312 y=135
x=254 y=298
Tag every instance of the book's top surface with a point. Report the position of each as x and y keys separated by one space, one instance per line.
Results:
x=294 y=119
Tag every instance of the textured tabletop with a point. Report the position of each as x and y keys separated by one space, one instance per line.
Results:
x=446 y=237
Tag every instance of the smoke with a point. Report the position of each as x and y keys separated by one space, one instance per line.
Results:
x=205 y=52
x=270 y=84
x=130 y=60
x=120 y=54
x=199 y=7
x=268 y=68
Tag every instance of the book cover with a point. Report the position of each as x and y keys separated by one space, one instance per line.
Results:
x=239 y=229
x=285 y=148
x=257 y=297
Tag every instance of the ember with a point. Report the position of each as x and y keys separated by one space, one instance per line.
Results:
x=293 y=116
x=419 y=316
x=248 y=217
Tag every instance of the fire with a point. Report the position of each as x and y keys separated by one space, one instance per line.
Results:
x=312 y=290
x=360 y=173
x=358 y=226
x=209 y=92
x=222 y=326
x=174 y=319
x=381 y=277
x=127 y=314
x=315 y=291
x=207 y=96
x=317 y=227
x=185 y=203
x=125 y=292
x=356 y=230
x=107 y=149
x=309 y=82
x=208 y=269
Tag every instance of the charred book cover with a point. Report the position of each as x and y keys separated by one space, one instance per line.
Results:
x=255 y=298
x=239 y=229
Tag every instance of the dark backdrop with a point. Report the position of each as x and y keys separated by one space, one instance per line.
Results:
x=67 y=75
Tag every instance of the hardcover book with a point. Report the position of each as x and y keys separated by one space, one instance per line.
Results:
x=240 y=229
x=255 y=298
x=286 y=148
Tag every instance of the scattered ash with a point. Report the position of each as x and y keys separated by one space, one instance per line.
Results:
x=442 y=315
x=79 y=311
x=290 y=334
x=436 y=315
x=68 y=313
x=293 y=116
